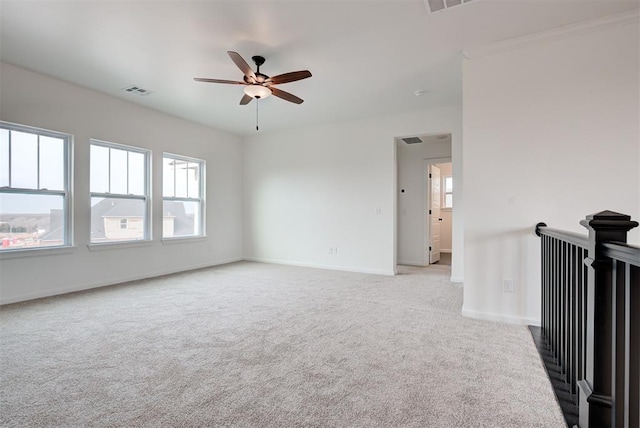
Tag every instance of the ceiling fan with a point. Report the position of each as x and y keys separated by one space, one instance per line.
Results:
x=258 y=85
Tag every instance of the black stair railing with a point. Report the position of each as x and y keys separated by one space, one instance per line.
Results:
x=590 y=325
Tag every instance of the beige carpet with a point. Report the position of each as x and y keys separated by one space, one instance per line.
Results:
x=258 y=345
x=445 y=259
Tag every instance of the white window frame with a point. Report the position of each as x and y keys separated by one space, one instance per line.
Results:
x=200 y=198
x=147 y=236
x=66 y=193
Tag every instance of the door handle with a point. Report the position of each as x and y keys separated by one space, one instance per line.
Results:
x=439 y=219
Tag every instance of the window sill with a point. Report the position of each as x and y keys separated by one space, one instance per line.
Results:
x=183 y=240
x=35 y=252
x=118 y=245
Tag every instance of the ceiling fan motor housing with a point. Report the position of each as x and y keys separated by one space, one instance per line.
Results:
x=259 y=80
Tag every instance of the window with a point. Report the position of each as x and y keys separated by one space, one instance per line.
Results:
x=119 y=185
x=35 y=177
x=183 y=196
x=448 y=192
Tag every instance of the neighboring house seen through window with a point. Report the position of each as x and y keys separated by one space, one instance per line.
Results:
x=120 y=208
x=35 y=177
x=183 y=196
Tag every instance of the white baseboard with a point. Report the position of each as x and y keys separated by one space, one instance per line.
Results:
x=412 y=263
x=320 y=266
x=488 y=316
x=445 y=251
x=457 y=279
x=120 y=280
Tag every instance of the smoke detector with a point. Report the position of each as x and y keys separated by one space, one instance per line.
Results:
x=438 y=5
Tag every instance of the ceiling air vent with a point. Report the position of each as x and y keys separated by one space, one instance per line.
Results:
x=133 y=89
x=412 y=140
x=438 y=5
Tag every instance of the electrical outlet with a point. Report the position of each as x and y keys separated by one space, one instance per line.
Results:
x=378 y=211
x=507 y=285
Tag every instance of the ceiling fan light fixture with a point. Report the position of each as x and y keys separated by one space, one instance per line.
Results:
x=257 y=91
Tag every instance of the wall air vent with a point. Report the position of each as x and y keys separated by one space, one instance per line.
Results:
x=137 y=90
x=412 y=140
x=438 y=5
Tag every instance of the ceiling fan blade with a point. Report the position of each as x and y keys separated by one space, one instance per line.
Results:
x=242 y=65
x=286 y=96
x=231 y=82
x=246 y=99
x=289 y=77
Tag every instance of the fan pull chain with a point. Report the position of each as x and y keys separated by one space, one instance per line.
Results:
x=257 y=102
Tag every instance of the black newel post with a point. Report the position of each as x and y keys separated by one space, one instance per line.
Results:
x=596 y=390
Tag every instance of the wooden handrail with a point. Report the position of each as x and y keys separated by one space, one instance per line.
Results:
x=622 y=252
x=571 y=237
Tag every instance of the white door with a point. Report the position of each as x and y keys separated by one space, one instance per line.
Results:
x=434 y=214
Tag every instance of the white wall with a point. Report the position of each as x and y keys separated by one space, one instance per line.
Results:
x=311 y=189
x=36 y=100
x=551 y=134
x=412 y=224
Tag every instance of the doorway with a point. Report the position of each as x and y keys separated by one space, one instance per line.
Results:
x=413 y=154
x=438 y=210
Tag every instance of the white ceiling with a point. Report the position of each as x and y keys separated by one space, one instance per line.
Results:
x=367 y=57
